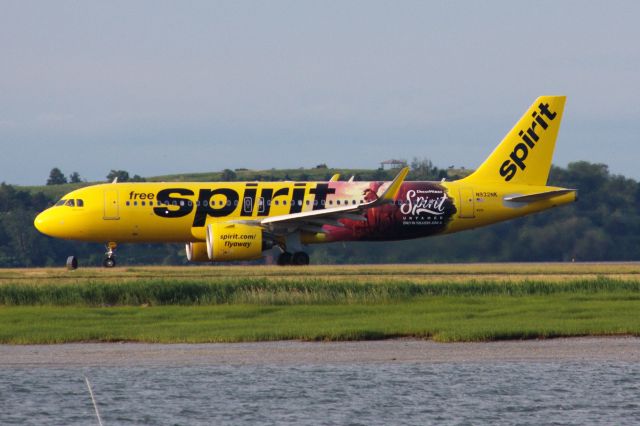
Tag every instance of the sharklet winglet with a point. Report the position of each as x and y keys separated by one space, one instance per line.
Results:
x=390 y=194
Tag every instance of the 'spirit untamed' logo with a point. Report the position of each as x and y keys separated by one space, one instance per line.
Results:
x=423 y=202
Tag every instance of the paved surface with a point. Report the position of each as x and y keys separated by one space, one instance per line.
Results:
x=293 y=352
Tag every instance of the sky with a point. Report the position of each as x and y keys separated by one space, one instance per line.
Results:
x=163 y=87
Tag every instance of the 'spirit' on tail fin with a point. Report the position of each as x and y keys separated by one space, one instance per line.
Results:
x=524 y=155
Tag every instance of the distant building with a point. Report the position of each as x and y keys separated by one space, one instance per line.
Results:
x=392 y=164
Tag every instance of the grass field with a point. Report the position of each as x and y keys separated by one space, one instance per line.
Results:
x=467 y=302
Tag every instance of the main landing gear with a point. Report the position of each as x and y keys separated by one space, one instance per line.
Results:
x=298 y=258
x=110 y=257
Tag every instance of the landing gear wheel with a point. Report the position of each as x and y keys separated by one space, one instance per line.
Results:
x=109 y=257
x=284 y=258
x=300 y=258
x=72 y=263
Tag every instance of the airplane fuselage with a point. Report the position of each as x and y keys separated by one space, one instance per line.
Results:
x=179 y=212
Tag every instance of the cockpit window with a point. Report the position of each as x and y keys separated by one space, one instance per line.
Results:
x=79 y=202
x=61 y=202
x=70 y=203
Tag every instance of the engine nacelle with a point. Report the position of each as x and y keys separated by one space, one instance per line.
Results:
x=197 y=252
x=233 y=241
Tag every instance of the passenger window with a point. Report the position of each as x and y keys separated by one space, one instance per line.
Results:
x=338 y=202
x=128 y=203
x=135 y=203
x=150 y=203
x=142 y=202
x=79 y=203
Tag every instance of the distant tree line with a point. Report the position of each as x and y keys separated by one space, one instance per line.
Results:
x=123 y=176
x=604 y=225
x=56 y=177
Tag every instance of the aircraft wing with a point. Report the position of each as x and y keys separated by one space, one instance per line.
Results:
x=314 y=220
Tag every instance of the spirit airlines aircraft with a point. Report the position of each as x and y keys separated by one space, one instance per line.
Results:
x=230 y=221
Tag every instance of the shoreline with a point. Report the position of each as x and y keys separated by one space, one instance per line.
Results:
x=575 y=349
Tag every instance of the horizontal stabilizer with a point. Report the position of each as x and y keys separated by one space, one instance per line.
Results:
x=530 y=198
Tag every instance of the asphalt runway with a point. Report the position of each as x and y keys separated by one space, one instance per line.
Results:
x=624 y=349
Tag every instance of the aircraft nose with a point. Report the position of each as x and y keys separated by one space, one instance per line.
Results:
x=44 y=223
x=40 y=223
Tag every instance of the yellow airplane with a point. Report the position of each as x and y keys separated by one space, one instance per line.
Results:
x=230 y=221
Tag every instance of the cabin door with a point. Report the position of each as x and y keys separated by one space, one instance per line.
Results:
x=111 y=211
x=467 y=209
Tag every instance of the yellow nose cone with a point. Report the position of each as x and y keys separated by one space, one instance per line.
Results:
x=48 y=224
x=39 y=223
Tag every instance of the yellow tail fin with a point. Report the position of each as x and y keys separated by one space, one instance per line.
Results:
x=524 y=155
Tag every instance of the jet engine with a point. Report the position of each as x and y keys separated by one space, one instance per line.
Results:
x=197 y=252
x=234 y=241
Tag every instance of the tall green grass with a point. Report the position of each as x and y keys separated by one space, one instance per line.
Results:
x=262 y=291
x=255 y=308
x=441 y=318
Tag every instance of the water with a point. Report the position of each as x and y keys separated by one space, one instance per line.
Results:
x=523 y=393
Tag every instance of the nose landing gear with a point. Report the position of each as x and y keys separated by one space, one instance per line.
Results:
x=110 y=257
x=72 y=263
